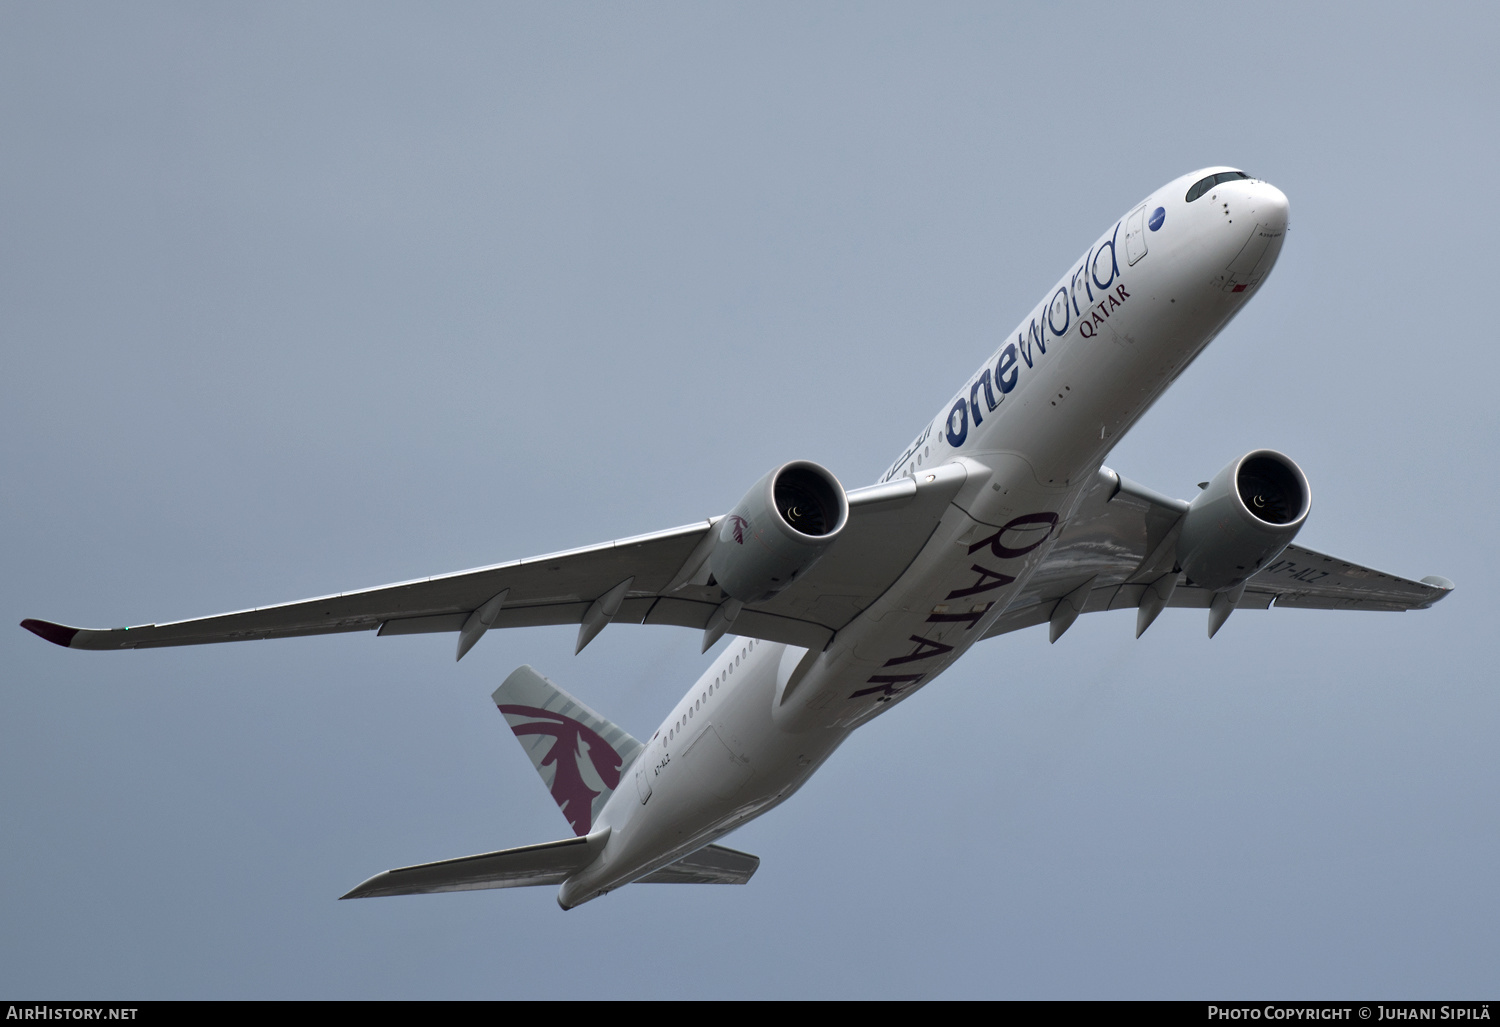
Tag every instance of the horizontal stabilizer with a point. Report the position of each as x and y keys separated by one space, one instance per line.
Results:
x=547 y=863
x=712 y=864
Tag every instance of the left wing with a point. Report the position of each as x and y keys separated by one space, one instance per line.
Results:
x=1122 y=539
x=553 y=589
x=649 y=579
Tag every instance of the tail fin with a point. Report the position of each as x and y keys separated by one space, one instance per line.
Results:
x=581 y=757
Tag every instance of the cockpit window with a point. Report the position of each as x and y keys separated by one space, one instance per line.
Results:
x=1203 y=185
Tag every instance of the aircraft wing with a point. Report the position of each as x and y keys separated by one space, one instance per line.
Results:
x=1124 y=535
x=659 y=578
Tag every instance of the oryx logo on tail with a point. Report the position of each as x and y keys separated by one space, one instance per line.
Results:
x=580 y=756
x=574 y=746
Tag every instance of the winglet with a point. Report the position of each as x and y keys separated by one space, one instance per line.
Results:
x=57 y=634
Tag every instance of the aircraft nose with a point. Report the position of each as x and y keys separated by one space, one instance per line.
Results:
x=1257 y=212
x=1269 y=205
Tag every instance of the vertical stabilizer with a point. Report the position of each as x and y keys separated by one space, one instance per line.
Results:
x=581 y=757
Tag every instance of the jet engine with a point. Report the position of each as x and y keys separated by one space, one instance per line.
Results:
x=786 y=521
x=1247 y=515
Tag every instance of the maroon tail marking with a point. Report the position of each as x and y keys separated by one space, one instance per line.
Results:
x=573 y=796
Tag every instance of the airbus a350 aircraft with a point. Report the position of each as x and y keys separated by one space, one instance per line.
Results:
x=998 y=516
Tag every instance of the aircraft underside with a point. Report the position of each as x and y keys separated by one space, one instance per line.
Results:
x=838 y=605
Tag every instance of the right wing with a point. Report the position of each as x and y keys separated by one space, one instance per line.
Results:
x=649 y=579
x=1123 y=537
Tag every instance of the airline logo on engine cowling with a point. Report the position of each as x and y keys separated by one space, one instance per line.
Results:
x=735 y=527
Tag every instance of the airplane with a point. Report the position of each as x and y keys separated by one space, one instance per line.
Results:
x=1000 y=515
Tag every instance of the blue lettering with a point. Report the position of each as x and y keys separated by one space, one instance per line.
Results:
x=1056 y=317
x=1036 y=334
x=1059 y=303
x=1006 y=371
x=1073 y=286
x=1114 y=263
x=957 y=435
x=989 y=396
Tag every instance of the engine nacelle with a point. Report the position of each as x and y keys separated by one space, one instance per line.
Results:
x=1249 y=513
x=785 y=522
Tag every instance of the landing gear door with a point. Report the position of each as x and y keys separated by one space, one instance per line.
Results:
x=1135 y=235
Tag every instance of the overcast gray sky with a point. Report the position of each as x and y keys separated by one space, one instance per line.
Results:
x=297 y=298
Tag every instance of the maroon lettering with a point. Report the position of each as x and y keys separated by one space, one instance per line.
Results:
x=926 y=649
x=953 y=618
x=1005 y=552
x=1001 y=580
x=888 y=685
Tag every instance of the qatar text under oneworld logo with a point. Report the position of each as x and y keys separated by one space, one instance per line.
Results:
x=1086 y=298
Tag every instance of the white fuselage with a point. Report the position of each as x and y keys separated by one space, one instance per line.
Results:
x=1030 y=429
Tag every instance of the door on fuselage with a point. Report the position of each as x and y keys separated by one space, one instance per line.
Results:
x=1135 y=235
x=643 y=775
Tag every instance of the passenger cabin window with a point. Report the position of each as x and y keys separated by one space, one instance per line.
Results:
x=1203 y=185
